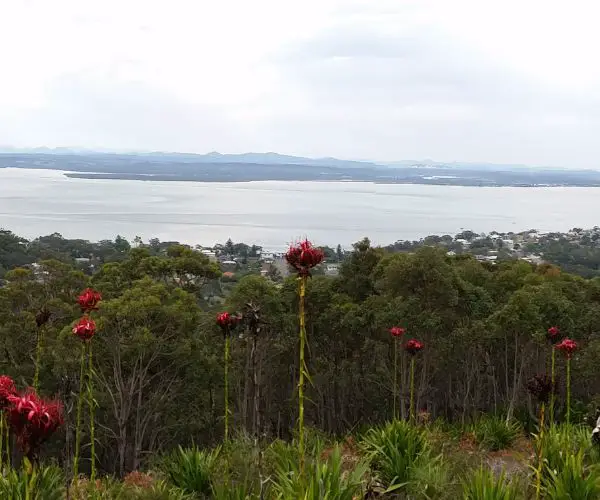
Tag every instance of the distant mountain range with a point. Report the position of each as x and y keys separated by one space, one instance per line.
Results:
x=269 y=158
x=218 y=167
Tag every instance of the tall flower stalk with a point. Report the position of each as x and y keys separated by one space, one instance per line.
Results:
x=568 y=347
x=302 y=257
x=541 y=387
x=553 y=336
x=41 y=318
x=397 y=334
x=85 y=329
x=227 y=323
x=412 y=347
x=7 y=390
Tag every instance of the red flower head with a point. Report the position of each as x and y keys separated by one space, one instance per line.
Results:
x=397 y=331
x=568 y=347
x=227 y=322
x=7 y=389
x=303 y=257
x=89 y=299
x=33 y=420
x=413 y=346
x=85 y=329
x=553 y=334
x=540 y=386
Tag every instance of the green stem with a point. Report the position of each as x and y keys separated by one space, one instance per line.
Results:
x=552 y=396
x=226 y=389
x=92 y=409
x=395 y=377
x=538 y=472
x=38 y=357
x=27 y=479
x=1 y=437
x=412 y=389
x=8 y=456
x=79 y=407
x=301 y=314
x=568 y=390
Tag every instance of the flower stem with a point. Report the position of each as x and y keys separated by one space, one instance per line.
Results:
x=38 y=357
x=302 y=319
x=395 y=377
x=226 y=388
x=568 y=390
x=79 y=407
x=412 y=389
x=1 y=438
x=552 y=396
x=538 y=472
x=8 y=456
x=92 y=409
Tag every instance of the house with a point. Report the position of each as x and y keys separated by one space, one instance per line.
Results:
x=332 y=269
x=228 y=265
x=212 y=256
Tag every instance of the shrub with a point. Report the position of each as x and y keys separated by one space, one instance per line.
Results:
x=44 y=483
x=483 y=484
x=573 y=480
x=191 y=469
x=403 y=460
x=561 y=441
x=322 y=478
x=495 y=433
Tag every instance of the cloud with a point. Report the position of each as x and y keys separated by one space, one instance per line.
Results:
x=351 y=78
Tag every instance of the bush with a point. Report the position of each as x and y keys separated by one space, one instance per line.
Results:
x=43 y=483
x=495 y=433
x=573 y=480
x=561 y=441
x=322 y=478
x=401 y=456
x=191 y=469
x=484 y=485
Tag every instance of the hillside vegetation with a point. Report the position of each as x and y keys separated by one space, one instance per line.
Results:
x=379 y=418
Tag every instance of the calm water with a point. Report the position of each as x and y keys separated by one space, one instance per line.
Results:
x=35 y=202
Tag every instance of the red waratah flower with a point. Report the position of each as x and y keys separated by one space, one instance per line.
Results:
x=303 y=257
x=413 y=346
x=540 y=386
x=553 y=334
x=227 y=322
x=568 y=347
x=397 y=331
x=85 y=329
x=89 y=299
x=7 y=389
x=42 y=317
x=33 y=420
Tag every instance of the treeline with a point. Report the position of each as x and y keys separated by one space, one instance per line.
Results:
x=158 y=352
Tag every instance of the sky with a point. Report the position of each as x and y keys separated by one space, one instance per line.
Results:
x=507 y=81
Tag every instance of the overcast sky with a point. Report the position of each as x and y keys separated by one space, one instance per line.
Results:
x=499 y=81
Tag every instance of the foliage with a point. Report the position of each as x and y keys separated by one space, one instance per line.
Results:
x=396 y=451
x=37 y=483
x=573 y=479
x=191 y=469
x=322 y=478
x=495 y=433
x=483 y=484
x=560 y=442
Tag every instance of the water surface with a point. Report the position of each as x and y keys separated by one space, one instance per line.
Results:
x=273 y=213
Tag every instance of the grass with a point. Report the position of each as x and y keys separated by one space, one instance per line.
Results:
x=495 y=433
x=191 y=469
x=483 y=484
x=488 y=460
